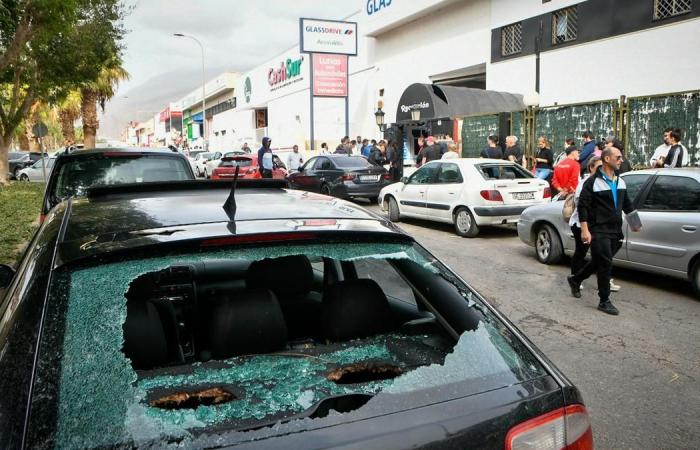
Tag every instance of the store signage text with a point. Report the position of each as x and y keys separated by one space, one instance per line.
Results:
x=421 y=105
x=330 y=75
x=288 y=70
x=328 y=36
x=374 y=6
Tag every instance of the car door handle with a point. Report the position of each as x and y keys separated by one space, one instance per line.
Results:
x=689 y=228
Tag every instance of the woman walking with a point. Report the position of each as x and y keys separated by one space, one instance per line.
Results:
x=544 y=159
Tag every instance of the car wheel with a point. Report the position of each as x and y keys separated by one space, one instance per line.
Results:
x=23 y=177
x=548 y=247
x=465 y=225
x=695 y=277
x=16 y=173
x=394 y=213
x=326 y=190
x=206 y=175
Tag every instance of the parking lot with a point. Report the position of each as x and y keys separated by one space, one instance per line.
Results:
x=638 y=372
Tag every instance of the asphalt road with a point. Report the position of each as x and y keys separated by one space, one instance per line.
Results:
x=639 y=372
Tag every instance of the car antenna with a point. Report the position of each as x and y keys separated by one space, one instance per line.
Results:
x=230 y=203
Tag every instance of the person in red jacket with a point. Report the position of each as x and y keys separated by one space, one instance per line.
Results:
x=566 y=172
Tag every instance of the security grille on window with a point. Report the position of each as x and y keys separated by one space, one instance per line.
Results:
x=670 y=8
x=564 y=25
x=512 y=39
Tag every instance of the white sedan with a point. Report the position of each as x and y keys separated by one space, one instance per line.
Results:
x=205 y=163
x=35 y=172
x=468 y=193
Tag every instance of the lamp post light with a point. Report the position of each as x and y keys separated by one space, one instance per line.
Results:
x=379 y=118
x=415 y=115
x=204 y=81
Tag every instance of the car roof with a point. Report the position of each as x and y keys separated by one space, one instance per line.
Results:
x=142 y=150
x=677 y=171
x=194 y=209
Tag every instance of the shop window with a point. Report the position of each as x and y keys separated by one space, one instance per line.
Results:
x=512 y=39
x=669 y=8
x=564 y=25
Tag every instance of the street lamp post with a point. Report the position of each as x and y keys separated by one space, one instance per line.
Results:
x=204 y=104
x=379 y=119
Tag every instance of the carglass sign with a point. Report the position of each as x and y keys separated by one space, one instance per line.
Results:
x=328 y=36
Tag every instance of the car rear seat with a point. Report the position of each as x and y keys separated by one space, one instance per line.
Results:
x=291 y=279
x=355 y=309
x=150 y=334
x=246 y=322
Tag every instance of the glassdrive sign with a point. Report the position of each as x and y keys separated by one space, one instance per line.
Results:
x=288 y=72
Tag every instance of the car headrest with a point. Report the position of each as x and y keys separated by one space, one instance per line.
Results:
x=246 y=322
x=144 y=336
x=354 y=309
x=287 y=276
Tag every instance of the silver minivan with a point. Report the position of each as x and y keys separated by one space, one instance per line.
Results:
x=668 y=202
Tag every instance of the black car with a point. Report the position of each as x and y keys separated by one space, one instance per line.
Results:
x=75 y=172
x=19 y=160
x=341 y=176
x=178 y=314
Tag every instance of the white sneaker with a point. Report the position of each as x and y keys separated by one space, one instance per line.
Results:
x=614 y=287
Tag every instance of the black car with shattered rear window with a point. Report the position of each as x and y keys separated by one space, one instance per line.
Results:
x=185 y=314
x=77 y=171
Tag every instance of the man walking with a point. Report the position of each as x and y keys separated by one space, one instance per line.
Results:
x=603 y=198
x=587 y=150
x=513 y=151
x=566 y=173
x=294 y=160
x=265 y=158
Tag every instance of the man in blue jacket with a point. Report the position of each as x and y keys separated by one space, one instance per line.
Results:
x=601 y=203
x=587 y=150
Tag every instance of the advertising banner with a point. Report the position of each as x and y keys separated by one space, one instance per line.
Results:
x=330 y=75
x=328 y=36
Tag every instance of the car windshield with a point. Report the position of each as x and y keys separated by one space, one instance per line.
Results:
x=170 y=347
x=503 y=171
x=352 y=162
x=75 y=176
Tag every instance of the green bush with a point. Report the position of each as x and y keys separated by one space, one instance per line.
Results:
x=20 y=204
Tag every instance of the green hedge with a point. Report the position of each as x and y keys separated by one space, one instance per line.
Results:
x=19 y=212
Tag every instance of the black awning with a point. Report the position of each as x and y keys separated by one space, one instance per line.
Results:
x=439 y=102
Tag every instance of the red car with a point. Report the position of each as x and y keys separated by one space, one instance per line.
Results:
x=248 y=168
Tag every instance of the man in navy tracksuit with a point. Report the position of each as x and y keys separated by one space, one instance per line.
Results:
x=603 y=198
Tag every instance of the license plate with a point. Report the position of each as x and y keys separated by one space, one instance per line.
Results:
x=369 y=177
x=523 y=195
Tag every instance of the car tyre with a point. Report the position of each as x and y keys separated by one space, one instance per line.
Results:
x=394 y=213
x=23 y=177
x=695 y=277
x=16 y=173
x=206 y=175
x=548 y=248
x=464 y=223
x=326 y=190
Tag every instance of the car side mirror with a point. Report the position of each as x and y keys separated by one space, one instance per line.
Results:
x=404 y=180
x=7 y=273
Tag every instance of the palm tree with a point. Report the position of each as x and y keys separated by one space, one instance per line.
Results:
x=98 y=92
x=68 y=113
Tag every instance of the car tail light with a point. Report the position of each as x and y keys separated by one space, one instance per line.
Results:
x=349 y=177
x=492 y=196
x=387 y=176
x=547 y=193
x=566 y=428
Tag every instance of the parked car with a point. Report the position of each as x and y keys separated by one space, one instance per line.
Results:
x=468 y=193
x=74 y=173
x=199 y=161
x=19 y=160
x=170 y=315
x=192 y=154
x=249 y=167
x=35 y=172
x=211 y=163
x=668 y=202
x=341 y=176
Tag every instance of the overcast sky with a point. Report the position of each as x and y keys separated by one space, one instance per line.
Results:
x=237 y=35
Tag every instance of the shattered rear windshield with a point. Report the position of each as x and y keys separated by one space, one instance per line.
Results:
x=256 y=339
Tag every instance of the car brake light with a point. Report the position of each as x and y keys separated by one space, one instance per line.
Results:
x=387 y=176
x=123 y=154
x=348 y=177
x=253 y=238
x=547 y=193
x=492 y=196
x=566 y=428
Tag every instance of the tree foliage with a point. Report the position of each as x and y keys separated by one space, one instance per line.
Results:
x=47 y=49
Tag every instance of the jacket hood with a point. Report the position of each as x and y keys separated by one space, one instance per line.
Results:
x=266 y=142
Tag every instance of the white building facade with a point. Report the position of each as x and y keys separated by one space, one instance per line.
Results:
x=588 y=51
